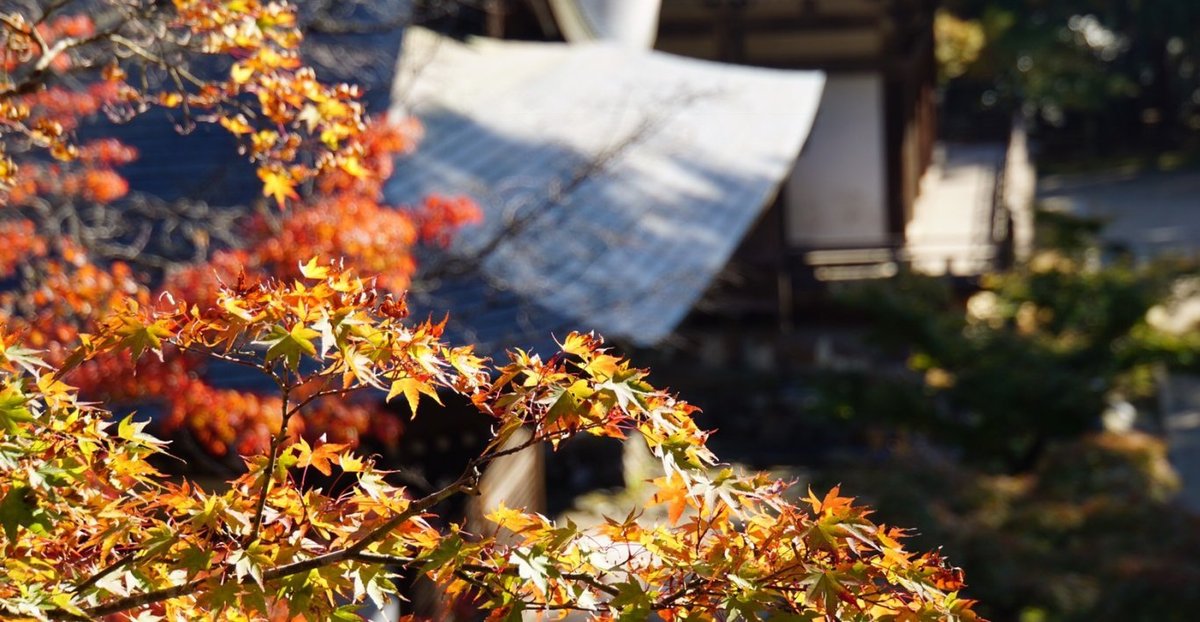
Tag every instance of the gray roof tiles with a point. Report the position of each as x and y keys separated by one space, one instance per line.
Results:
x=615 y=184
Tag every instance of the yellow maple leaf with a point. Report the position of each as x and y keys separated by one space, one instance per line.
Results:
x=412 y=390
x=353 y=166
x=241 y=73
x=578 y=344
x=313 y=270
x=279 y=184
x=236 y=124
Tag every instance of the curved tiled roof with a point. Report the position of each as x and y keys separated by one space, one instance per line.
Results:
x=615 y=183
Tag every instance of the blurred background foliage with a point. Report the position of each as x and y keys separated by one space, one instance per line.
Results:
x=1013 y=421
x=1112 y=78
x=1018 y=421
x=1037 y=354
x=1090 y=533
x=1015 y=432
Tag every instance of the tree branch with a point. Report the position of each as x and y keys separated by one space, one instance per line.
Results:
x=466 y=483
x=272 y=458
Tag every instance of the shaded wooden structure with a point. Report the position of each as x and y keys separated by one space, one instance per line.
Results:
x=878 y=56
x=856 y=184
x=876 y=49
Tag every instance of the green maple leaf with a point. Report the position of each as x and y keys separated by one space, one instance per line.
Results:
x=14 y=409
x=446 y=551
x=826 y=591
x=631 y=601
x=24 y=358
x=565 y=405
x=290 y=344
x=195 y=559
x=347 y=613
x=141 y=337
x=19 y=509
x=534 y=567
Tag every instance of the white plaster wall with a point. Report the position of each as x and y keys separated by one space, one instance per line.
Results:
x=837 y=194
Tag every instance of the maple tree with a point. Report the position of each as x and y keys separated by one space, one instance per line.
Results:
x=231 y=64
x=92 y=530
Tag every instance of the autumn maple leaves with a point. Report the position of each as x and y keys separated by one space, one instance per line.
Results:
x=311 y=302
x=92 y=529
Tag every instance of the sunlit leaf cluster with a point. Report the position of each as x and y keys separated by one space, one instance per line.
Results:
x=77 y=247
x=265 y=96
x=310 y=527
x=91 y=529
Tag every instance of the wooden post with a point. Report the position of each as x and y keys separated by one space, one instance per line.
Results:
x=518 y=481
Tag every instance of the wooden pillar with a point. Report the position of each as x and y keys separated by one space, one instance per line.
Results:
x=496 y=18
x=517 y=480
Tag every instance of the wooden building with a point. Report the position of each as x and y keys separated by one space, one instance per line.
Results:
x=858 y=180
x=731 y=209
x=872 y=191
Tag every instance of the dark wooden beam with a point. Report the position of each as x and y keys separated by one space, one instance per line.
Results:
x=827 y=64
x=802 y=23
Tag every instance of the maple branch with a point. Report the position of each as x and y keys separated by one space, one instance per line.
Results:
x=32 y=32
x=272 y=458
x=277 y=444
x=145 y=598
x=149 y=56
x=383 y=558
x=673 y=598
x=54 y=614
x=465 y=483
x=463 y=572
x=38 y=37
x=286 y=570
x=320 y=394
x=38 y=75
x=403 y=562
x=113 y=567
x=222 y=357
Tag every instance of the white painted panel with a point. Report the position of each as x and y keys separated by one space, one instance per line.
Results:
x=837 y=194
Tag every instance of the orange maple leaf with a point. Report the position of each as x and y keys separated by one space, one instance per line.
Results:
x=672 y=493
